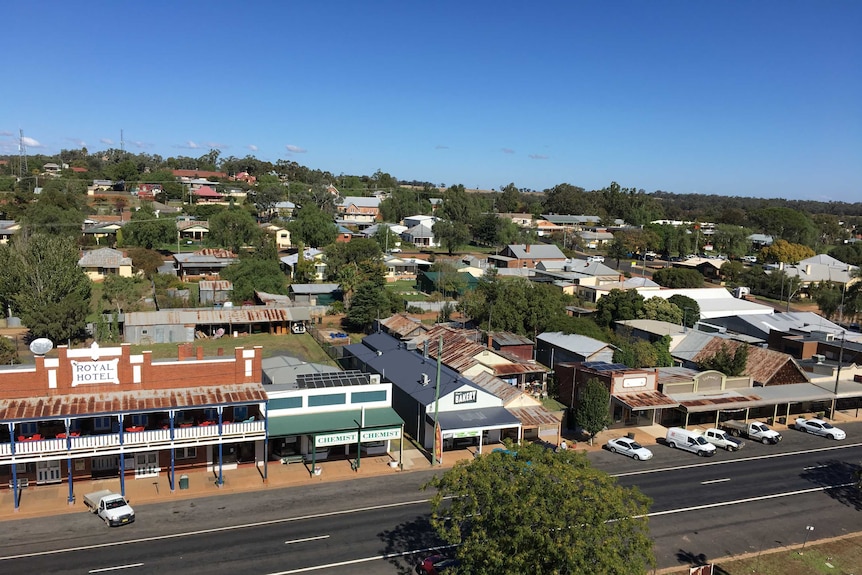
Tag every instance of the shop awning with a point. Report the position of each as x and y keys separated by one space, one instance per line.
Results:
x=750 y=397
x=485 y=418
x=346 y=420
x=643 y=400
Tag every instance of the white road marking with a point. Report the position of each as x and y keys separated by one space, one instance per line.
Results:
x=214 y=530
x=361 y=560
x=711 y=481
x=746 y=500
x=729 y=461
x=118 y=567
x=814 y=467
x=318 y=538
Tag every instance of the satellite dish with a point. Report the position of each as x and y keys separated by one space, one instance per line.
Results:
x=41 y=346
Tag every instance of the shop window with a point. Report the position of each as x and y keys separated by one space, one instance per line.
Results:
x=240 y=413
x=368 y=396
x=330 y=399
x=283 y=403
x=186 y=453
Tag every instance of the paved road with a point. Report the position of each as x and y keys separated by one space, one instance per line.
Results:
x=758 y=498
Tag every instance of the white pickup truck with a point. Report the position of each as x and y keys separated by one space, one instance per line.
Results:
x=722 y=440
x=755 y=430
x=111 y=507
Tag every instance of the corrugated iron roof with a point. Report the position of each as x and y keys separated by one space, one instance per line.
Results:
x=402 y=324
x=509 y=338
x=203 y=316
x=215 y=285
x=534 y=416
x=762 y=365
x=72 y=405
x=646 y=400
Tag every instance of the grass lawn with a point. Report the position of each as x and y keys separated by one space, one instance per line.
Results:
x=301 y=346
x=840 y=557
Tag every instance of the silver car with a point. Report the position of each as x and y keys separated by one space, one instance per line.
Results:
x=629 y=447
x=819 y=427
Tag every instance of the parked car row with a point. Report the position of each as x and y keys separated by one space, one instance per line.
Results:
x=705 y=442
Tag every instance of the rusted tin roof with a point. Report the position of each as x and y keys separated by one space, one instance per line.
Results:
x=76 y=405
x=534 y=416
x=646 y=400
x=763 y=365
x=401 y=324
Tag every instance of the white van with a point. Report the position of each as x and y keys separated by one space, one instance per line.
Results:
x=690 y=441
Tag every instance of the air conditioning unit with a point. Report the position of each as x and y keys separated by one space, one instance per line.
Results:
x=374 y=378
x=819 y=358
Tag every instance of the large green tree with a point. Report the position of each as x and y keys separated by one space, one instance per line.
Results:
x=256 y=270
x=618 y=305
x=677 y=278
x=451 y=235
x=727 y=360
x=233 y=229
x=45 y=286
x=530 y=510
x=592 y=413
x=312 y=227
x=147 y=230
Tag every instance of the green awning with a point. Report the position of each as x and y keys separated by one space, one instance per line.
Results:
x=309 y=424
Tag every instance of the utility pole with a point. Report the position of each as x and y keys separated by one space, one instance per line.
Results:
x=837 y=375
x=22 y=155
x=437 y=437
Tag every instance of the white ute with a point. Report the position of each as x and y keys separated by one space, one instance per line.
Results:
x=111 y=507
x=722 y=440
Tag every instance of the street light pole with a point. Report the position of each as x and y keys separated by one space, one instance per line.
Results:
x=837 y=375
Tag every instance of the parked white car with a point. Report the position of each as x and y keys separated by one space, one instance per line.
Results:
x=819 y=427
x=599 y=259
x=629 y=447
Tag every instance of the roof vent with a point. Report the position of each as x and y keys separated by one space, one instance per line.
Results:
x=425 y=379
x=818 y=357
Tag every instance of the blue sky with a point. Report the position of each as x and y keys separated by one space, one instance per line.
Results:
x=758 y=98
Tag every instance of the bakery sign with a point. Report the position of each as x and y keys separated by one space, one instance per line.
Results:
x=465 y=397
x=95 y=372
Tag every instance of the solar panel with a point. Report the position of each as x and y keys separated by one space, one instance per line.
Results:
x=332 y=379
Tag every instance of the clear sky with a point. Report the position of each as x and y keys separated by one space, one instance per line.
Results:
x=751 y=98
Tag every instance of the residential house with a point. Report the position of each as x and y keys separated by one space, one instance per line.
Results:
x=285 y=209
x=203 y=263
x=558 y=347
x=595 y=238
x=582 y=278
x=103 y=262
x=398 y=268
x=511 y=344
x=207 y=195
x=343 y=235
x=359 y=211
x=191 y=230
x=280 y=234
x=289 y=262
x=820 y=269
x=420 y=231
x=188 y=175
x=103 y=232
x=526 y=255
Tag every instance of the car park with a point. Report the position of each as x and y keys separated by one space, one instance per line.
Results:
x=630 y=447
x=436 y=564
x=819 y=427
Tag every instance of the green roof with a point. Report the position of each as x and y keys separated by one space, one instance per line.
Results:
x=311 y=423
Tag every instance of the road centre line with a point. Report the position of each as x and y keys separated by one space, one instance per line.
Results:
x=809 y=468
x=362 y=560
x=214 y=530
x=711 y=481
x=318 y=538
x=116 y=568
x=746 y=500
x=728 y=461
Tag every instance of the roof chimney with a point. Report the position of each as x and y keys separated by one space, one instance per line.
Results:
x=527 y=248
x=808 y=269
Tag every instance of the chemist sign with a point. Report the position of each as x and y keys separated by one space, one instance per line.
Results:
x=95 y=372
x=346 y=437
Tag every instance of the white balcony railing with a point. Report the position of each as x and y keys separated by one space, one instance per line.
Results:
x=111 y=441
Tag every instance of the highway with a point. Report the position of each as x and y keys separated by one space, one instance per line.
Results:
x=733 y=503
